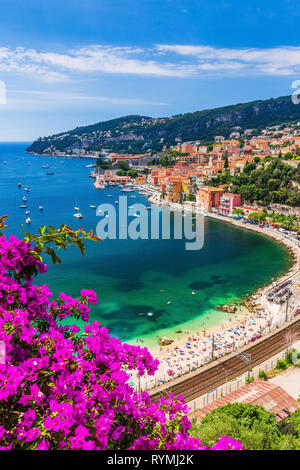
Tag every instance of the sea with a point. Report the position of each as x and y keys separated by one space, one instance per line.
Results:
x=146 y=288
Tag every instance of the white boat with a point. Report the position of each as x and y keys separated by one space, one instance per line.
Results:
x=92 y=206
x=19 y=184
x=136 y=215
x=78 y=215
x=76 y=208
x=41 y=207
x=27 y=212
x=127 y=190
x=109 y=195
x=23 y=206
x=26 y=189
x=107 y=216
x=116 y=202
x=24 y=198
x=28 y=220
x=90 y=166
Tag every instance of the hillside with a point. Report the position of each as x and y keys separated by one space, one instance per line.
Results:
x=140 y=133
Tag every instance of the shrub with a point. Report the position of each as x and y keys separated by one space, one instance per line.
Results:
x=262 y=375
x=282 y=364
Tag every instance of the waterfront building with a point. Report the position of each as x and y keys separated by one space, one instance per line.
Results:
x=209 y=197
x=228 y=202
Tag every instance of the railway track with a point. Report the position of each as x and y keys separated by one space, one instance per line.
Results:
x=210 y=377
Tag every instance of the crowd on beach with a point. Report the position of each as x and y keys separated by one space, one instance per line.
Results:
x=200 y=348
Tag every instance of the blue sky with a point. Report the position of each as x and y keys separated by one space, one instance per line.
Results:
x=75 y=62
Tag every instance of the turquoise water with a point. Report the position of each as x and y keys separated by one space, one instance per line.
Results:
x=130 y=277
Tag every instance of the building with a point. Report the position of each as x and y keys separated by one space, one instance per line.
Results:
x=270 y=396
x=228 y=202
x=209 y=197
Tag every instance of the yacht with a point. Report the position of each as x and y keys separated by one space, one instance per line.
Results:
x=78 y=215
x=27 y=212
x=92 y=206
x=28 y=220
x=23 y=206
x=127 y=190
x=76 y=208
x=116 y=202
x=26 y=189
x=90 y=166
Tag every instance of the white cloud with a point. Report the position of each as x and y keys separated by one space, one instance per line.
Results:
x=159 y=61
x=41 y=98
x=282 y=60
x=54 y=66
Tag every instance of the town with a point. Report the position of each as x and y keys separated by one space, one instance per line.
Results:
x=204 y=174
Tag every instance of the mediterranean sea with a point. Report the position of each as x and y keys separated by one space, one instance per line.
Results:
x=134 y=277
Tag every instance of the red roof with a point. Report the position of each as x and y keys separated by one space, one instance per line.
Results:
x=271 y=397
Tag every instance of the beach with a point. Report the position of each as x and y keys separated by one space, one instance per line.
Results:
x=259 y=316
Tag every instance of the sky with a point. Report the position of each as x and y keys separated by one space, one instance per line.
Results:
x=76 y=62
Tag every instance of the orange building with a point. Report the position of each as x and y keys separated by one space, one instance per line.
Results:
x=209 y=197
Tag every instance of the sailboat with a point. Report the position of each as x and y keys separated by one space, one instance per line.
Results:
x=77 y=214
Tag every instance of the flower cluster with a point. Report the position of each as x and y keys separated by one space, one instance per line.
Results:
x=60 y=389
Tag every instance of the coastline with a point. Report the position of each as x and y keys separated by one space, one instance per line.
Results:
x=254 y=309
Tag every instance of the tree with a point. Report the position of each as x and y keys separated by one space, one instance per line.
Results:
x=238 y=211
x=253 y=426
x=257 y=216
x=123 y=165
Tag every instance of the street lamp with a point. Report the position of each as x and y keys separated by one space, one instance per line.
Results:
x=226 y=380
x=245 y=357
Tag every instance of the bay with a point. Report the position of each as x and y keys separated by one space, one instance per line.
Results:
x=134 y=277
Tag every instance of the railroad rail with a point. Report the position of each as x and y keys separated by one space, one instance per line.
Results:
x=209 y=377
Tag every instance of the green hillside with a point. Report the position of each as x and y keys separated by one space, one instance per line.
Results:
x=139 y=133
